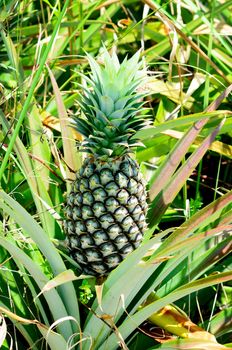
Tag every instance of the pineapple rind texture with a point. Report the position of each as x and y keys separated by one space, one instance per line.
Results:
x=105 y=212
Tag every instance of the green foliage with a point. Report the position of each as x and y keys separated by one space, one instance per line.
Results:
x=86 y=293
x=185 y=257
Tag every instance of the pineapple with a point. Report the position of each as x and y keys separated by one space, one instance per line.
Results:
x=106 y=208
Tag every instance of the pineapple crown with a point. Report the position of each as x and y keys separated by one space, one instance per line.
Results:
x=110 y=104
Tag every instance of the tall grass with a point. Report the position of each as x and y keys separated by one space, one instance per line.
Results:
x=185 y=257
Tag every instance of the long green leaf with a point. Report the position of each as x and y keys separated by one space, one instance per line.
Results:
x=132 y=322
x=166 y=170
x=221 y=323
x=198 y=262
x=166 y=196
x=71 y=155
x=32 y=88
x=52 y=297
x=36 y=183
x=37 y=234
x=207 y=215
x=190 y=344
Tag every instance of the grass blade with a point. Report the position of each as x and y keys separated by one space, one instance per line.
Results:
x=32 y=88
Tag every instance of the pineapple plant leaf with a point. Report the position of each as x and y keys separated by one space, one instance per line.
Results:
x=106 y=208
x=186 y=260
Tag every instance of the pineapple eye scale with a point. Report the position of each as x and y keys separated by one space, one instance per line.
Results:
x=87 y=198
x=86 y=241
x=99 y=194
x=121 y=239
x=100 y=237
x=93 y=254
x=76 y=213
x=112 y=188
x=127 y=222
x=123 y=196
x=83 y=185
x=127 y=249
x=114 y=231
x=92 y=225
x=94 y=181
x=89 y=170
x=121 y=179
x=78 y=199
x=79 y=256
x=74 y=242
x=106 y=176
x=107 y=248
x=99 y=209
x=86 y=212
x=112 y=260
x=80 y=227
x=120 y=213
x=106 y=220
x=112 y=204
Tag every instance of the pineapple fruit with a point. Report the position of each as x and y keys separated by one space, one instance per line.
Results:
x=106 y=208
